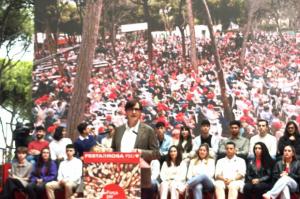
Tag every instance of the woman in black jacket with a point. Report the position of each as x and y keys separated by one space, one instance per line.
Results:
x=258 y=177
x=286 y=173
x=291 y=137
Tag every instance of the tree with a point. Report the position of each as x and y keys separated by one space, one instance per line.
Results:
x=15 y=27
x=148 y=19
x=180 y=23
x=192 y=35
x=16 y=88
x=91 y=23
x=228 y=114
x=253 y=6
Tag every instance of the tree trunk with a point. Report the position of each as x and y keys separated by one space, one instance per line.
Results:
x=183 y=43
x=277 y=17
x=192 y=35
x=86 y=55
x=228 y=115
x=246 y=35
x=181 y=29
x=149 y=36
x=113 y=32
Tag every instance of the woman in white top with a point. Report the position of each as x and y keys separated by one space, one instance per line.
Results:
x=58 y=145
x=200 y=173
x=172 y=174
x=185 y=144
x=106 y=142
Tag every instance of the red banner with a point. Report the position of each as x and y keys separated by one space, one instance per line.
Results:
x=112 y=175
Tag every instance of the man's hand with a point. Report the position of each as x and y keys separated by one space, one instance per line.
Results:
x=34 y=152
x=227 y=181
x=284 y=173
x=62 y=182
x=39 y=181
x=292 y=138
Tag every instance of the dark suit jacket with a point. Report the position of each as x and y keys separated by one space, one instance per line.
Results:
x=146 y=141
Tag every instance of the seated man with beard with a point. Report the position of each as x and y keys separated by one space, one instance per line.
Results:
x=35 y=147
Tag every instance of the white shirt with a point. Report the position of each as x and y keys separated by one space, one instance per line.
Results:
x=106 y=142
x=230 y=168
x=58 y=148
x=214 y=143
x=70 y=170
x=173 y=173
x=129 y=137
x=269 y=140
x=198 y=167
x=155 y=169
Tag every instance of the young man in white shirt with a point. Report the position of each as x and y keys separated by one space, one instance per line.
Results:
x=69 y=175
x=230 y=173
x=265 y=137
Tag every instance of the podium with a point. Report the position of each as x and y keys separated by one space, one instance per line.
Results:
x=114 y=175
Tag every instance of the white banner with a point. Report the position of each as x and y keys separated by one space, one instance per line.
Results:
x=134 y=27
x=298 y=37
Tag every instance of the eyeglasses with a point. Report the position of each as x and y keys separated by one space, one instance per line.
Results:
x=291 y=127
x=134 y=109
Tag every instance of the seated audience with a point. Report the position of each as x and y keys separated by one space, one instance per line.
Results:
x=230 y=173
x=201 y=172
x=259 y=172
x=58 y=145
x=286 y=174
x=69 y=175
x=44 y=171
x=241 y=143
x=35 y=146
x=291 y=137
x=164 y=140
x=172 y=174
x=206 y=137
x=185 y=144
x=106 y=141
x=264 y=136
x=85 y=141
x=19 y=175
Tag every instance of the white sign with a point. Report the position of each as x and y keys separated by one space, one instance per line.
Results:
x=298 y=37
x=134 y=27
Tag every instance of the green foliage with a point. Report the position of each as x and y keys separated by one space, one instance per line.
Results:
x=16 y=88
x=222 y=11
x=15 y=21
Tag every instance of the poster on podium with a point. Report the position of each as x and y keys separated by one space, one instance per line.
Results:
x=112 y=175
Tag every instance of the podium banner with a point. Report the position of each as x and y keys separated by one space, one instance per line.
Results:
x=112 y=175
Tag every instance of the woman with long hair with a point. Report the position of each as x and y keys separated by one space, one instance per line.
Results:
x=286 y=174
x=172 y=174
x=259 y=172
x=291 y=137
x=45 y=170
x=201 y=172
x=58 y=145
x=185 y=144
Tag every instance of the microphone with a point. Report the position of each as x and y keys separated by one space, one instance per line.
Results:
x=135 y=132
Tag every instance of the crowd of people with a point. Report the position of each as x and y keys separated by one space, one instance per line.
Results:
x=266 y=86
x=185 y=166
x=178 y=124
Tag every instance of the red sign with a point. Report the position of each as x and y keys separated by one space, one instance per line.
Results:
x=112 y=175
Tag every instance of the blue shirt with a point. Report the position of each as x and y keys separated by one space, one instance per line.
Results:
x=165 y=145
x=84 y=144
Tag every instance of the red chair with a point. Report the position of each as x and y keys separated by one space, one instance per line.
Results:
x=5 y=174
